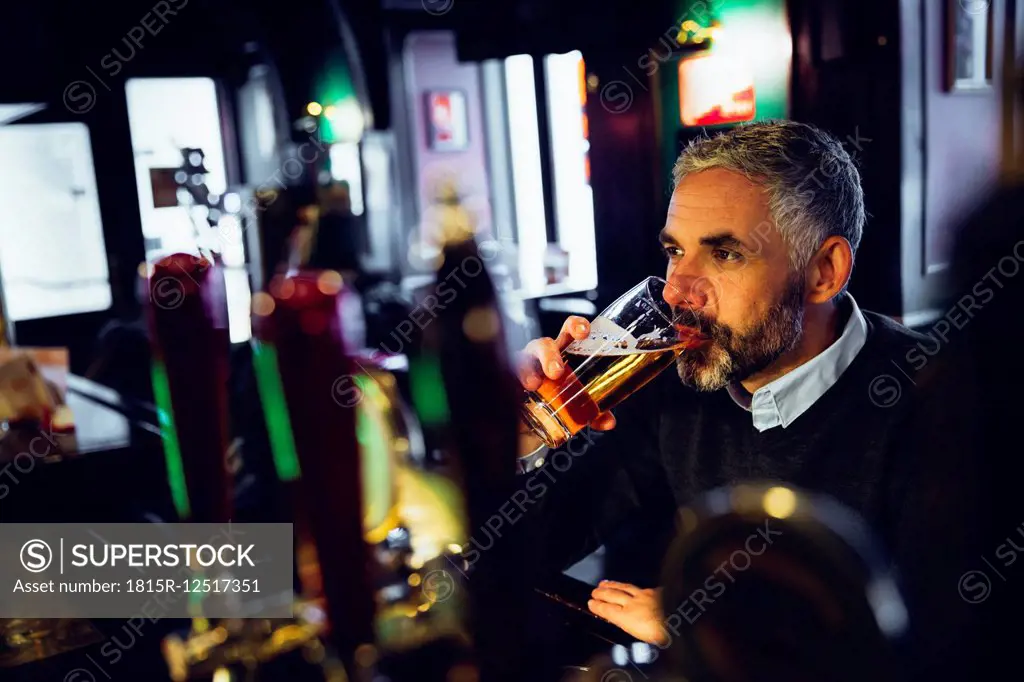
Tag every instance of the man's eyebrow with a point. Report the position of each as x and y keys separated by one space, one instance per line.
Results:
x=722 y=239
x=726 y=239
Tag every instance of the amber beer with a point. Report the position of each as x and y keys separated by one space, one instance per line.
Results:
x=632 y=342
x=594 y=383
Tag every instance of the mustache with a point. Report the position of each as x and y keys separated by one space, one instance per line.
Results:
x=707 y=326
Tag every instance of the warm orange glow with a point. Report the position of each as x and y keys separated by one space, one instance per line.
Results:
x=583 y=83
x=779 y=502
x=286 y=290
x=262 y=304
x=329 y=282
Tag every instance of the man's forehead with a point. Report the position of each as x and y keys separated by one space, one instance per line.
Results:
x=720 y=197
x=717 y=188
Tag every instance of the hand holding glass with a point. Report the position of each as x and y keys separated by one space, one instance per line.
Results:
x=630 y=343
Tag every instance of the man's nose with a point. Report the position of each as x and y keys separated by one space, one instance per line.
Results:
x=689 y=292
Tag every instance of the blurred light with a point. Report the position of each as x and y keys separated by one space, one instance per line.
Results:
x=428 y=393
x=620 y=655
x=642 y=652
x=414 y=580
x=329 y=282
x=779 y=502
x=346 y=167
x=221 y=675
x=455 y=548
x=756 y=37
x=287 y=289
x=195 y=158
x=180 y=176
x=314 y=109
x=315 y=614
x=889 y=609
x=424 y=607
x=481 y=325
x=262 y=304
x=232 y=202
x=593 y=82
x=346 y=118
x=197 y=179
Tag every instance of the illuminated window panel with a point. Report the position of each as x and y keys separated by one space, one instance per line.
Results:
x=527 y=182
x=165 y=115
x=574 y=198
x=52 y=254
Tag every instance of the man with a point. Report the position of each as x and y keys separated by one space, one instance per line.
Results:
x=796 y=384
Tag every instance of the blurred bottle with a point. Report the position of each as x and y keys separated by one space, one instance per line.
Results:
x=187 y=315
x=467 y=394
x=303 y=317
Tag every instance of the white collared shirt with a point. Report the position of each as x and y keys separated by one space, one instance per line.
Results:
x=783 y=400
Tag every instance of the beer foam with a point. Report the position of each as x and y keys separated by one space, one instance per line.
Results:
x=606 y=338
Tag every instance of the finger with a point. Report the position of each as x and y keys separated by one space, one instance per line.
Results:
x=603 y=422
x=529 y=371
x=625 y=587
x=603 y=609
x=574 y=327
x=612 y=596
x=548 y=355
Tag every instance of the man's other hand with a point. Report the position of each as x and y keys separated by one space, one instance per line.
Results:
x=637 y=611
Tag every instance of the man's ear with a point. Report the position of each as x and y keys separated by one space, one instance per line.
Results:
x=829 y=269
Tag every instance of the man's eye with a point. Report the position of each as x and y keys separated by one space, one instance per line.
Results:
x=672 y=251
x=727 y=255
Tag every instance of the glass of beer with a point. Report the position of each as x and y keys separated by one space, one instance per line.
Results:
x=630 y=343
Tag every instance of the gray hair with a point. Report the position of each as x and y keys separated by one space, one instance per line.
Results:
x=813 y=186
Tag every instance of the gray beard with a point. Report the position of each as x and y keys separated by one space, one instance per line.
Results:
x=730 y=357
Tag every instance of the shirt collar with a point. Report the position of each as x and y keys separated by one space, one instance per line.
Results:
x=786 y=398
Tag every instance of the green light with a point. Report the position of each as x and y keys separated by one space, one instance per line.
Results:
x=169 y=435
x=275 y=410
x=375 y=453
x=342 y=118
x=428 y=394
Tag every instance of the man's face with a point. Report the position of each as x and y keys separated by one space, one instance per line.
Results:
x=729 y=275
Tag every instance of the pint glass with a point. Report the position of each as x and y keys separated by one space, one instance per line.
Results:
x=630 y=343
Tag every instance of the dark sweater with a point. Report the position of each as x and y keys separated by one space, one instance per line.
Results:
x=897 y=450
